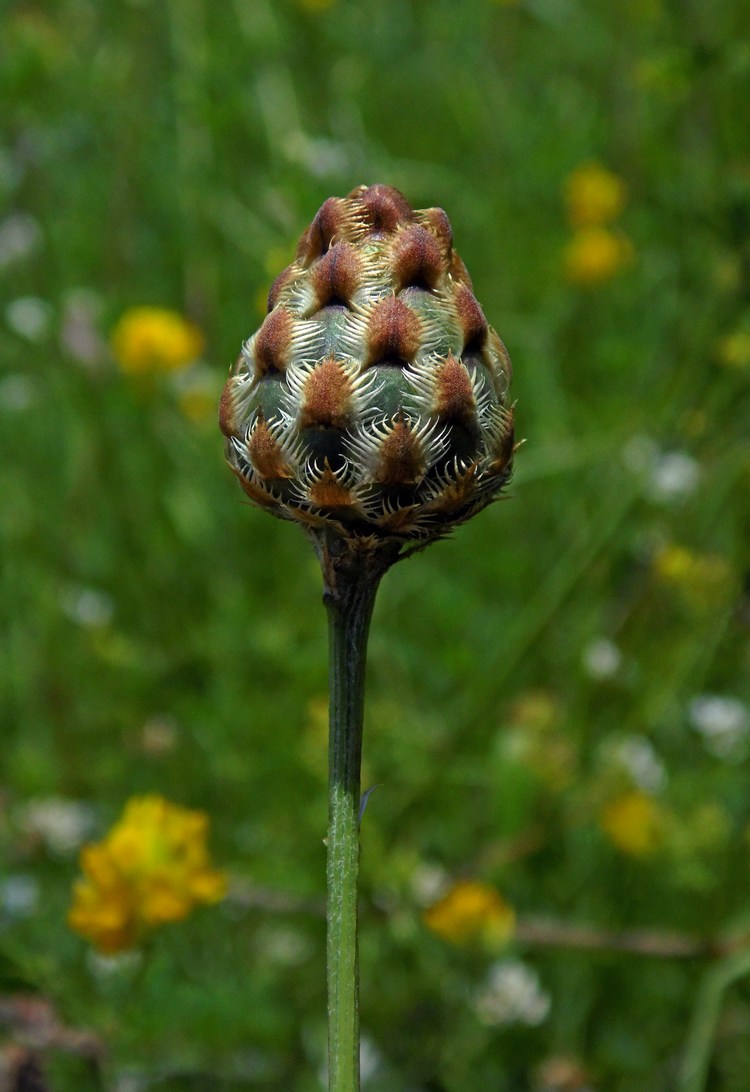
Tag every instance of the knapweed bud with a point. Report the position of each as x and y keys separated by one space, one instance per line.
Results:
x=372 y=402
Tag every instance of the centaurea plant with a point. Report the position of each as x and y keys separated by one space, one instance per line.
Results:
x=371 y=407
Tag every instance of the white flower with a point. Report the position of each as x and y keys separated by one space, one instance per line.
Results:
x=29 y=317
x=61 y=825
x=111 y=966
x=19 y=896
x=88 y=607
x=669 y=477
x=131 y=1081
x=724 y=724
x=512 y=995
x=428 y=882
x=674 y=477
x=370 y=1058
x=284 y=945
x=20 y=235
x=636 y=755
x=79 y=331
x=159 y=735
x=601 y=658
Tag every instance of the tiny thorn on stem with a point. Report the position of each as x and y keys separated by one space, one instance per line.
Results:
x=365 y=797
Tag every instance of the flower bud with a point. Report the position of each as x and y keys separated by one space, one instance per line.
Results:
x=372 y=402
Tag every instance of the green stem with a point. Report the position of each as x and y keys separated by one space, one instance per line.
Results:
x=702 y=1032
x=351 y=583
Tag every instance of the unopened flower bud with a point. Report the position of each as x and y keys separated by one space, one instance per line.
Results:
x=372 y=402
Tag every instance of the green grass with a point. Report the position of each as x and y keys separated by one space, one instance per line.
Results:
x=170 y=154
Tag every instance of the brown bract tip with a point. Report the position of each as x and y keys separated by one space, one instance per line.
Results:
x=227 y=417
x=454 y=395
x=393 y=332
x=504 y=446
x=436 y=220
x=336 y=276
x=400 y=457
x=265 y=453
x=327 y=396
x=458 y=270
x=471 y=317
x=385 y=207
x=417 y=260
x=328 y=224
x=455 y=494
x=499 y=354
x=273 y=342
x=284 y=277
x=328 y=491
x=257 y=492
x=399 y=521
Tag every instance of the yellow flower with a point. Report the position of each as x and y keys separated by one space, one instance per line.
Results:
x=153 y=339
x=664 y=74
x=595 y=255
x=675 y=565
x=532 y=737
x=734 y=350
x=594 y=196
x=702 y=580
x=472 y=911
x=634 y=823
x=152 y=868
x=536 y=710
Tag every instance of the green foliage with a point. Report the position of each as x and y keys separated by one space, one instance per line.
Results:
x=159 y=635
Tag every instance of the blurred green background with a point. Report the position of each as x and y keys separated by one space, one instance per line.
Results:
x=558 y=701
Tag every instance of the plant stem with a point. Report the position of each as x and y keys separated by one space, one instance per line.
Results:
x=351 y=582
x=701 y=1038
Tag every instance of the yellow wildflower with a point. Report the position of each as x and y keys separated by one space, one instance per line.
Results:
x=532 y=737
x=536 y=710
x=633 y=822
x=675 y=564
x=702 y=580
x=594 y=196
x=734 y=350
x=472 y=911
x=153 y=339
x=664 y=74
x=152 y=868
x=595 y=255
